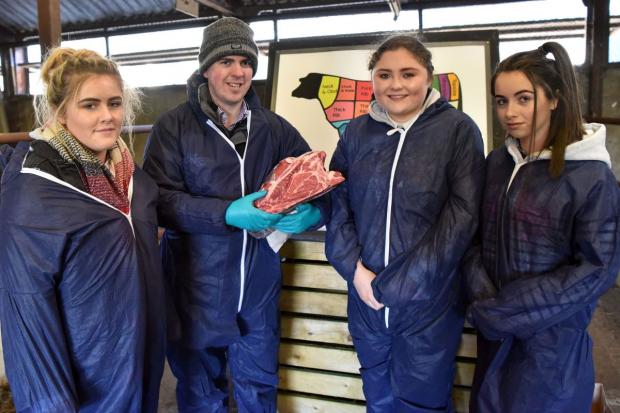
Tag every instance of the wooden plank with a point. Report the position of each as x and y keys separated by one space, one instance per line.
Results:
x=468 y=347
x=326 y=384
x=311 y=302
x=304 y=250
x=460 y=399
x=49 y=24
x=317 y=357
x=464 y=375
x=314 y=329
x=319 y=276
x=188 y=7
x=292 y=403
x=344 y=386
x=345 y=360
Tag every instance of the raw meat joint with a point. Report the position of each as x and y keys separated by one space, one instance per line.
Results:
x=297 y=180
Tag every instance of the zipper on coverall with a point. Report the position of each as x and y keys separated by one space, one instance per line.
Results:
x=388 y=221
x=242 y=179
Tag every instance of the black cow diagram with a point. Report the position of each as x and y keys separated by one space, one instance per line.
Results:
x=343 y=99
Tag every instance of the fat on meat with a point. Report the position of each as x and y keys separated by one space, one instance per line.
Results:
x=296 y=180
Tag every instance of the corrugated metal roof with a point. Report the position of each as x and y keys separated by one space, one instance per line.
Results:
x=80 y=11
x=20 y=16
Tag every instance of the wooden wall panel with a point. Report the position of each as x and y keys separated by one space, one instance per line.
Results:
x=319 y=276
x=315 y=329
x=313 y=302
x=291 y=403
x=304 y=250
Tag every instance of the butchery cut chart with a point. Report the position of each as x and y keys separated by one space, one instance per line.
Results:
x=343 y=99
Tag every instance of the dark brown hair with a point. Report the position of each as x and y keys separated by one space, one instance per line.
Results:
x=409 y=42
x=557 y=79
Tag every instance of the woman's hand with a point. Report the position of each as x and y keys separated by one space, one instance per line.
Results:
x=361 y=281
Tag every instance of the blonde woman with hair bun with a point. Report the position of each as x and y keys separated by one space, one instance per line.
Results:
x=81 y=278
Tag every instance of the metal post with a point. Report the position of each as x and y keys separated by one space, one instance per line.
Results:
x=49 y=24
x=597 y=51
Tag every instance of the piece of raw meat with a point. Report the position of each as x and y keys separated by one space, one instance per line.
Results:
x=297 y=180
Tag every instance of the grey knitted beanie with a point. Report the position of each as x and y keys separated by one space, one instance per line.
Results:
x=225 y=37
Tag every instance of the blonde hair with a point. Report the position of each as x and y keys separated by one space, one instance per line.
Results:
x=65 y=70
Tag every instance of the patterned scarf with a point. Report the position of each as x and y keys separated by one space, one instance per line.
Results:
x=110 y=181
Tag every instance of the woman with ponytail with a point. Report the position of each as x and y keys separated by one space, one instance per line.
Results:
x=80 y=280
x=549 y=242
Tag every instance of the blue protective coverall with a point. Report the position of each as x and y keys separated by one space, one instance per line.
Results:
x=226 y=284
x=5 y=155
x=81 y=286
x=408 y=210
x=549 y=249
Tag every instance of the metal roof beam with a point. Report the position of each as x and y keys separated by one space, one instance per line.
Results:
x=188 y=7
x=395 y=7
x=597 y=49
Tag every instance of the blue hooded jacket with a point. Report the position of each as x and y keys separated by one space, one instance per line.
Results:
x=5 y=155
x=408 y=210
x=549 y=249
x=81 y=285
x=214 y=269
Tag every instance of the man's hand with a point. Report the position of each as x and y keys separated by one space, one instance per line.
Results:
x=243 y=214
x=304 y=217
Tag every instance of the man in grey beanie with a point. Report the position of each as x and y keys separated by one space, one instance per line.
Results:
x=209 y=156
x=227 y=36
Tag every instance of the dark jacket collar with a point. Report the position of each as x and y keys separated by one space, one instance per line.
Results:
x=46 y=159
x=195 y=81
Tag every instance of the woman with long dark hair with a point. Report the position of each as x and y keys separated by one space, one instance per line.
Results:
x=550 y=242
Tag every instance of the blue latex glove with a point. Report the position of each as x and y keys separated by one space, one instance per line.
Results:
x=307 y=215
x=243 y=214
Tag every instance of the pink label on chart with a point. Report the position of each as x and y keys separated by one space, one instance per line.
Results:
x=347 y=90
x=364 y=90
x=339 y=111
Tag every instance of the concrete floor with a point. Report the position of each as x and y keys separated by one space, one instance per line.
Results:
x=604 y=329
x=605 y=332
x=167 y=399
